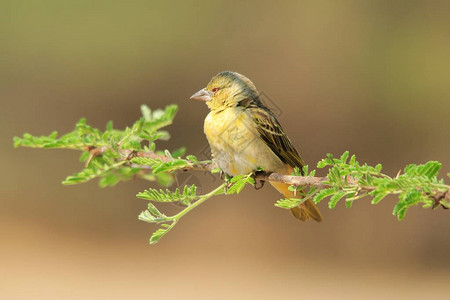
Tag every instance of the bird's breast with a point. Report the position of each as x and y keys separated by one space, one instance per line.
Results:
x=236 y=145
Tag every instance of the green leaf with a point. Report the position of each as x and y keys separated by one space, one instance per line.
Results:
x=298 y=172
x=400 y=210
x=344 y=157
x=159 y=135
x=238 y=183
x=109 y=180
x=84 y=156
x=189 y=194
x=335 y=198
x=164 y=179
x=192 y=158
x=348 y=204
x=289 y=203
x=430 y=169
x=159 y=119
x=378 y=198
x=159 y=166
x=95 y=170
x=216 y=170
x=109 y=126
x=322 y=164
x=157 y=235
x=169 y=166
x=179 y=152
x=145 y=161
x=153 y=210
x=378 y=168
x=146 y=112
x=323 y=194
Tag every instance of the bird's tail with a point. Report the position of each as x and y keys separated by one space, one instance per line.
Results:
x=305 y=211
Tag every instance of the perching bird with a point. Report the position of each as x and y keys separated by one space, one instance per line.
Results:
x=244 y=135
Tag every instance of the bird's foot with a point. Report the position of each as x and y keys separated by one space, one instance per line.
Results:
x=261 y=182
x=227 y=178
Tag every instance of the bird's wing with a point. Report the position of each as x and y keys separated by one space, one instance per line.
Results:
x=273 y=135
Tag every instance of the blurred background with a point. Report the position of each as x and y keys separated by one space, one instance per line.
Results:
x=371 y=77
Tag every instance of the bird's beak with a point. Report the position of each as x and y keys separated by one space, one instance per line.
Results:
x=202 y=95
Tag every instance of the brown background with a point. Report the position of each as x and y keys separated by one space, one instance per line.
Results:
x=371 y=77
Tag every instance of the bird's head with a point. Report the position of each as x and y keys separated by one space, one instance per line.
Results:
x=227 y=89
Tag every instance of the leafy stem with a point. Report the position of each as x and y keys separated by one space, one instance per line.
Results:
x=152 y=215
x=218 y=191
x=115 y=155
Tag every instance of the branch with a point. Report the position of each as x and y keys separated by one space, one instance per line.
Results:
x=439 y=197
x=118 y=155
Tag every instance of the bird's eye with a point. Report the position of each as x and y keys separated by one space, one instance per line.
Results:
x=214 y=90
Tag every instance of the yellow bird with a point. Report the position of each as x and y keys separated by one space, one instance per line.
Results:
x=244 y=135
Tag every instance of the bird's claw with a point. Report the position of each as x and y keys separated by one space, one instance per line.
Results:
x=261 y=182
x=227 y=178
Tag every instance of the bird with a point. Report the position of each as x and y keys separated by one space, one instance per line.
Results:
x=245 y=136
